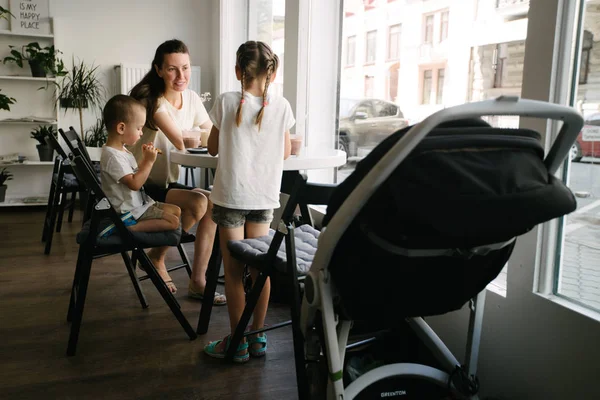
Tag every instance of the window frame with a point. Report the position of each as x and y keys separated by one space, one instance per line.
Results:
x=444 y=32
x=439 y=89
x=428 y=39
x=367 y=48
x=398 y=42
x=347 y=58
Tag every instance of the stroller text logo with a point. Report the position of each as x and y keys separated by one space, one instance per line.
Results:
x=394 y=394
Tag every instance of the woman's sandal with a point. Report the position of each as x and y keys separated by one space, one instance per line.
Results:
x=261 y=351
x=218 y=300
x=211 y=350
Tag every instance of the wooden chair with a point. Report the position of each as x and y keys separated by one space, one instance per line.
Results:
x=121 y=242
x=63 y=183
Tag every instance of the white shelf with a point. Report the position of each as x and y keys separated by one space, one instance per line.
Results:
x=10 y=33
x=27 y=162
x=26 y=78
x=19 y=201
x=28 y=122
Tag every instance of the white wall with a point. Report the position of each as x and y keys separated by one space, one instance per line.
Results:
x=110 y=32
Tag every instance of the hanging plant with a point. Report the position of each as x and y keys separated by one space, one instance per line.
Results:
x=4 y=13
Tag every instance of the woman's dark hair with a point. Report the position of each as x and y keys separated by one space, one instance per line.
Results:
x=152 y=86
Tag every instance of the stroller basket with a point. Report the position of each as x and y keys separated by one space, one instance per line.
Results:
x=463 y=194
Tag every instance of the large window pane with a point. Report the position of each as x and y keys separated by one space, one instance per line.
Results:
x=267 y=25
x=578 y=275
x=431 y=55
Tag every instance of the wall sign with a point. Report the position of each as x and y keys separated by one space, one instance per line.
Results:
x=31 y=16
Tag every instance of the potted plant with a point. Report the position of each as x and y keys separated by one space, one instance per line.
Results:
x=80 y=89
x=44 y=150
x=4 y=13
x=42 y=60
x=6 y=101
x=5 y=175
x=95 y=137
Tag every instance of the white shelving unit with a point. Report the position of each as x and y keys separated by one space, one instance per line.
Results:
x=31 y=179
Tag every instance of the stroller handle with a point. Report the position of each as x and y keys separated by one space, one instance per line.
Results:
x=504 y=105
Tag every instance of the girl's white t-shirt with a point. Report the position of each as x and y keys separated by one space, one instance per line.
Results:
x=191 y=115
x=250 y=162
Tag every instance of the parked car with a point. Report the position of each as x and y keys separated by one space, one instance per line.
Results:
x=364 y=123
x=586 y=148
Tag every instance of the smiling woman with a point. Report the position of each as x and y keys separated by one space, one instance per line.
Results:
x=171 y=109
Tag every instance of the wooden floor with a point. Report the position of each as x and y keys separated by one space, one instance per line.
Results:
x=124 y=352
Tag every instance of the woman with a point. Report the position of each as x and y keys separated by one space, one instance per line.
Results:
x=172 y=108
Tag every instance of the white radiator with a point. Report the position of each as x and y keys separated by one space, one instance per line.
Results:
x=128 y=75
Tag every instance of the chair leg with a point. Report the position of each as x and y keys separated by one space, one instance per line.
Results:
x=251 y=300
x=72 y=208
x=193 y=177
x=134 y=279
x=50 y=232
x=61 y=210
x=212 y=274
x=74 y=286
x=165 y=293
x=185 y=259
x=48 y=211
x=295 y=306
x=89 y=206
x=79 y=292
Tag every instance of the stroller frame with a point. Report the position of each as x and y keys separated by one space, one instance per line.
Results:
x=319 y=293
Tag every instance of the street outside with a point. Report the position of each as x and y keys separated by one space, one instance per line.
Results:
x=580 y=270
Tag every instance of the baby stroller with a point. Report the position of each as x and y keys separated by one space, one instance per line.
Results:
x=420 y=228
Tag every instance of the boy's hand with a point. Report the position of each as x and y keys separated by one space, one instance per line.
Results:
x=149 y=152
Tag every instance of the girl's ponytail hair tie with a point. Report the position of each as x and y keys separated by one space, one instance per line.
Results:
x=265 y=103
x=242 y=101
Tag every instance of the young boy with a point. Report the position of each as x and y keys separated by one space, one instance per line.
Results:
x=122 y=179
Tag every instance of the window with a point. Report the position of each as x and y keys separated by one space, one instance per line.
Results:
x=350 y=50
x=427 y=82
x=428 y=34
x=439 y=97
x=394 y=37
x=385 y=109
x=268 y=25
x=586 y=48
x=445 y=17
x=371 y=47
x=578 y=252
x=369 y=81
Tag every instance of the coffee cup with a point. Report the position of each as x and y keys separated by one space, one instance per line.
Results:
x=204 y=134
x=296 y=144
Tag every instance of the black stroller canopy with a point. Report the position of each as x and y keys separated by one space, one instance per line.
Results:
x=417 y=241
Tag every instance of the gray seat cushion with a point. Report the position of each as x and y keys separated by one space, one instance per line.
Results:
x=254 y=251
x=69 y=180
x=144 y=239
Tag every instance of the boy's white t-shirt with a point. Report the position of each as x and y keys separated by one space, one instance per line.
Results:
x=250 y=162
x=114 y=165
x=191 y=115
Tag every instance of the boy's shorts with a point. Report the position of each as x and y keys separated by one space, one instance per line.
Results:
x=155 y=211
x=230 y=218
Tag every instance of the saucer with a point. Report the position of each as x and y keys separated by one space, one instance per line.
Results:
x=198 y=150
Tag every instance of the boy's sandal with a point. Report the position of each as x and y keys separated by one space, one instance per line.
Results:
x=211 y=350
x=261 y=351
x=218 y=300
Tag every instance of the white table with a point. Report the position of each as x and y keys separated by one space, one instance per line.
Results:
x=308 y=159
